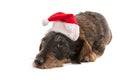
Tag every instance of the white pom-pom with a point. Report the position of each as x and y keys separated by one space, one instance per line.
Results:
x=45 y=22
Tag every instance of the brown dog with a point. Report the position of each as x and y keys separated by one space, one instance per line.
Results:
x=57 y=49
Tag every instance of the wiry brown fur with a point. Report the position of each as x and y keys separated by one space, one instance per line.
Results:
x=95 y=33
x=57 y=49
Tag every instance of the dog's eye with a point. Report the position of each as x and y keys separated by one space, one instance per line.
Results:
x=59 y=45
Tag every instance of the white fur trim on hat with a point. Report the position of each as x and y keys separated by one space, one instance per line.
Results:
x=70 y=30
x=73 y=29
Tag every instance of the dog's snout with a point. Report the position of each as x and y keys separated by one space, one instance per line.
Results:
x=39 y=61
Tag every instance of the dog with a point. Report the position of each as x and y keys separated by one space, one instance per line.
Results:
x=57 y=49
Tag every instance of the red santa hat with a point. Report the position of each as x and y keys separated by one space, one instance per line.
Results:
x=65 y=24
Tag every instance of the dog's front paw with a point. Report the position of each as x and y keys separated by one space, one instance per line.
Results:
x=90 y=58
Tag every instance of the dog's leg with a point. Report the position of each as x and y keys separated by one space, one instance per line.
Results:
x=90 y=58
x=99 y=48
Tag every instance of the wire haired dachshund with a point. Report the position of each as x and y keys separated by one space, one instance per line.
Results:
x=57 y=49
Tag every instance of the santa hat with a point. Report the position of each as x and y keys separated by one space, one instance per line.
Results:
x=65 y=24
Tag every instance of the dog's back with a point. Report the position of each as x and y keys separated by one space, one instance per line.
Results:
x=94 y=28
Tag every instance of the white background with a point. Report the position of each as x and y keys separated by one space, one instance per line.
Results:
x=21 y=31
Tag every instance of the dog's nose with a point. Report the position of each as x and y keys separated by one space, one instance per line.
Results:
x=39 y=61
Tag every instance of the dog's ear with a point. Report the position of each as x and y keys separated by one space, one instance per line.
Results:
x=85 y=50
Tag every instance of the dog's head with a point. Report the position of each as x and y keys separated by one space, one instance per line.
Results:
x=55 y=50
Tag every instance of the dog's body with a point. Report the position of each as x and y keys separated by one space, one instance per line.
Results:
x=57 y=49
